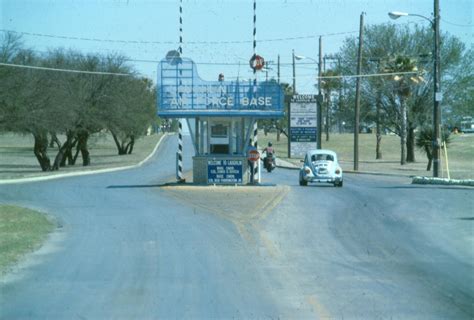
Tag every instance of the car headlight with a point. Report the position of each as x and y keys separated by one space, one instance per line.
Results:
x=307 y=170
x=338 y=171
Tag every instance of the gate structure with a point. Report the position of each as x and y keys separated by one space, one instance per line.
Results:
x=220 y=116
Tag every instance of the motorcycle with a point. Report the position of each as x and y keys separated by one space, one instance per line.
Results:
x=269 y=162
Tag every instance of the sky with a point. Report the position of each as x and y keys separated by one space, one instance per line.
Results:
x=217 y=34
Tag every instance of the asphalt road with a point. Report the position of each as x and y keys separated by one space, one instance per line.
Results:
x=130 y=248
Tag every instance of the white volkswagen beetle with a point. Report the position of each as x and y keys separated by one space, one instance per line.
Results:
x=321 y=166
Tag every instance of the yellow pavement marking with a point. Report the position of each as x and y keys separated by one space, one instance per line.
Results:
x=318 y=307
x=272 y=249
x=244 y=206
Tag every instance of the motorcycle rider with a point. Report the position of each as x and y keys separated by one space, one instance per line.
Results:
x=269 y=154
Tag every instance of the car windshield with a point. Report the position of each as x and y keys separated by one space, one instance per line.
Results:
x=322 y=157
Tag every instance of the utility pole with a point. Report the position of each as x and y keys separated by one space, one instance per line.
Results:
x=320 y=93
x=378 y=102
x=294 y=73
x=437 y=94
x=326 y=104
x=357 y=102
x=341 y=83
x=278 y=69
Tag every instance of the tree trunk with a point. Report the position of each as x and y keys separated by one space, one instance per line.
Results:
x=68 y=154
x=54 y=139
x=411 y=144
x=74 y=159
x=403 y=131
x=429 y=154
x=41 y=150
x=60 y=160
x=378 y=147
x=82 y=137
x=378 y=133
x=120 y=146
x=131 y=144
x=327 y=115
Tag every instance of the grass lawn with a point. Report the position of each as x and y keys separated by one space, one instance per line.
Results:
x=460 y=154
x=17 y=159
x=21 y=231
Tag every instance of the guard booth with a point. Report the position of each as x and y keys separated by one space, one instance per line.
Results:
x=220 y=116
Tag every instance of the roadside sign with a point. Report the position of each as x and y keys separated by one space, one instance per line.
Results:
x=303 y=127
x=224 y=171
x=253 y=154
x=257 y=62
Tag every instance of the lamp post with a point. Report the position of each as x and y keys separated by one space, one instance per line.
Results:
x=294 y=72
x=436 y=82
x=298 y=57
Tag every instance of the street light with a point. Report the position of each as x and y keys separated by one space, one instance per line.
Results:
x=437 y=80
x=298 y=57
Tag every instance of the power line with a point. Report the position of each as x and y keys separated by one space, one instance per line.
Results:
x=173 y=42
x=457 y=24
x=129 y=74
x=63 y=70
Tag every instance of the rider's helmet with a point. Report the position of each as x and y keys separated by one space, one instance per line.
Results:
x=269 y=144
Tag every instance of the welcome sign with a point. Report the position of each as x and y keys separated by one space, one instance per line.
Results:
x=224 y=171
x=182 y=93
x=302 y=124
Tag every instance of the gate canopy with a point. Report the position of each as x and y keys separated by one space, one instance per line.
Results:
x=183 y=94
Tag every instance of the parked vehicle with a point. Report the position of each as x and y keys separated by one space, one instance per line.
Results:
x=321 y=166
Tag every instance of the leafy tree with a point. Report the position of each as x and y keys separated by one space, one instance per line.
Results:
x=424 y=141
x=403 y=80
x=458 y=93
x=50 y=104
x=329 y=85
x=381 y=42
x=133 y=112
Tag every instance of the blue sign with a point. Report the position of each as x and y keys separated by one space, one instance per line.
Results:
x=224 y=171
x=303 y=134
x=182 y=93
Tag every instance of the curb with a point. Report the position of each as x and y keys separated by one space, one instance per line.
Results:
x=443 y=181
x=84 y=173
x=294 y=167
x=415 y=179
